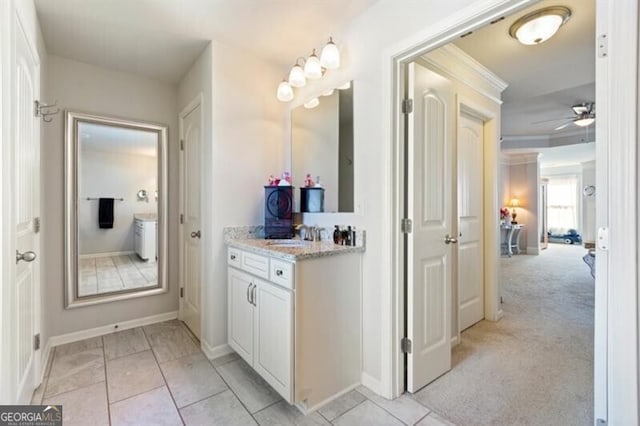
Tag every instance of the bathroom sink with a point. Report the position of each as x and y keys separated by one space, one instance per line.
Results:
x=289 y=243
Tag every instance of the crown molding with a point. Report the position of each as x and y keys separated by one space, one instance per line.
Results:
x=519 y=159
x=455 y=63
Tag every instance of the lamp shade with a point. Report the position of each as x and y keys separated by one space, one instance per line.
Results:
x=330 y=56
x=514 y=202
x=539 y=26
x=296 y=76
x=285 y=92
x=312 y=68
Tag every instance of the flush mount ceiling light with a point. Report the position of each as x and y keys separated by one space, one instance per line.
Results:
x=311 y=68
x=540 y=25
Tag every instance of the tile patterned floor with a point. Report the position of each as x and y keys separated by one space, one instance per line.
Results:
x=106 y=274
x=157 y=375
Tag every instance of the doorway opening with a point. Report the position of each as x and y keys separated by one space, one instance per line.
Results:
x=437 y=297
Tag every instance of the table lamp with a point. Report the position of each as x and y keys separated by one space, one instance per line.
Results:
x=513 y=204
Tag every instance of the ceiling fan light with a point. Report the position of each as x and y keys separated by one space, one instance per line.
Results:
x=539 y=26
x=312 y=103
x=584 y=122
x=285 y=92
x=312 y=68
x=330 y=56
x=296 y=76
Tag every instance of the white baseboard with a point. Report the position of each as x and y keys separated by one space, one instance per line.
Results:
x=213 y=352
x=44 y=359
x=110 y=254
x=454 y=341
x=106 y=329
x=371 y=383
x=308 y=410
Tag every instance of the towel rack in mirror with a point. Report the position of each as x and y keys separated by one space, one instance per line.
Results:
x=94 y=198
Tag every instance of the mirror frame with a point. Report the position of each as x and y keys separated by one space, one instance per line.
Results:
x=72 y=121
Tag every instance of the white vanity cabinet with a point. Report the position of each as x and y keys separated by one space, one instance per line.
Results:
x=298 y=322
x=261 y=321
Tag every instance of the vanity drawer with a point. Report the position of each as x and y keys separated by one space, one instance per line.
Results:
x=233 y=257
x=255 y=264
x=281 y=273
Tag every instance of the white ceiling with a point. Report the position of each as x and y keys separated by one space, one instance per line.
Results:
x=162 y=38
x=544 y=80
x=118 y=140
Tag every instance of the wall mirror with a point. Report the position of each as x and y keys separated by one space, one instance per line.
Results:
x=322 y=145
x=115 y=240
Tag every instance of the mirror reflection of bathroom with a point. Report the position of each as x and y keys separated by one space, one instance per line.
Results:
x=117 y=219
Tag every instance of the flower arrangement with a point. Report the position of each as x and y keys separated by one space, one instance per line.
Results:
x=504 y=213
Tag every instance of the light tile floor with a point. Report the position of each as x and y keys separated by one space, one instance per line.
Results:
x=157 y=375
x=106 y=274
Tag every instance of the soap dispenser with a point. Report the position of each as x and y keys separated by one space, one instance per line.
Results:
x=336 y=235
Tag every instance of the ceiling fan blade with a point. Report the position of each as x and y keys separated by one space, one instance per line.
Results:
x=553 y=119
x=562 y=126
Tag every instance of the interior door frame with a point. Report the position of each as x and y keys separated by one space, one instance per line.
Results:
x=616 y=374
x=197 y=101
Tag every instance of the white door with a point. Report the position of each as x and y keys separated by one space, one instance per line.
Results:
x=25 y=212
x=470 y=221
x=191 y=140
x=429 y=202
x=241 y=322
x=274 y=337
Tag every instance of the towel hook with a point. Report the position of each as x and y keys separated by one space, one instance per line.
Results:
x=45 y=110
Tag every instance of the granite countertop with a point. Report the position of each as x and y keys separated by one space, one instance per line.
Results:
x=146 y=217
x=279 y=248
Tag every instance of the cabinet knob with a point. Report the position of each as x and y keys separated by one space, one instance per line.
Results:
x=279 y=272
x=233 y=257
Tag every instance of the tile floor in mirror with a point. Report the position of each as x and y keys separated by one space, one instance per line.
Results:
x=157 y=375
x=104 y=274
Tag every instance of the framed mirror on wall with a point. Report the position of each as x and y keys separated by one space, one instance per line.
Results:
x=115 y=209
x=322 y=147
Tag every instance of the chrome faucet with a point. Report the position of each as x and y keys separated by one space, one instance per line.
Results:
x=303 y=230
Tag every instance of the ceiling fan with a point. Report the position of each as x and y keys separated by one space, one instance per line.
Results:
x=584 y=115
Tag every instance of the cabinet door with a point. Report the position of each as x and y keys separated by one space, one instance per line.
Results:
x=241 y=314
x=273 y=358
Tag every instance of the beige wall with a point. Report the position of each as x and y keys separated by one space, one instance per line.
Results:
x=87 y=88
x=521 y=179
x=243 y=143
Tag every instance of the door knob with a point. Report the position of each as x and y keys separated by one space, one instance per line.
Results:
x=195 y=234
x=27 y=256
x=448 y=239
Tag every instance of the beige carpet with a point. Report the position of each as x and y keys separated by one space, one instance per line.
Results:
x=535 y=366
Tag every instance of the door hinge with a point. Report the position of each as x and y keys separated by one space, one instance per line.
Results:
x=406 y=225
x=181 y=292
x=181 y=144
x=36 y=342
x=603 y=46
x=36 y=225
x=405 y=345
x=181 y=218
x=601 y=422
x=407 y=106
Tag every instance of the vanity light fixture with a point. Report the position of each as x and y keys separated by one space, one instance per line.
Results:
x=540 y=25
x=312 y=103
x=345 y=86
x=330 y=56
x=328 y=92
x=296 y=75
x=312 y=67
x=285 y=92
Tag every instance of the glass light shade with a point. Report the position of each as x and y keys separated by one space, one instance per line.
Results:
x=285 y=92
x=327 y=92
x=330 y=56
x=312 y=68
x=584 y=122
x=296 y=76
x=345 y=86
x=312 y=103
x=539 y=26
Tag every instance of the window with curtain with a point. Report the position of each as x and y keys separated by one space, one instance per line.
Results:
x=562 y=203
